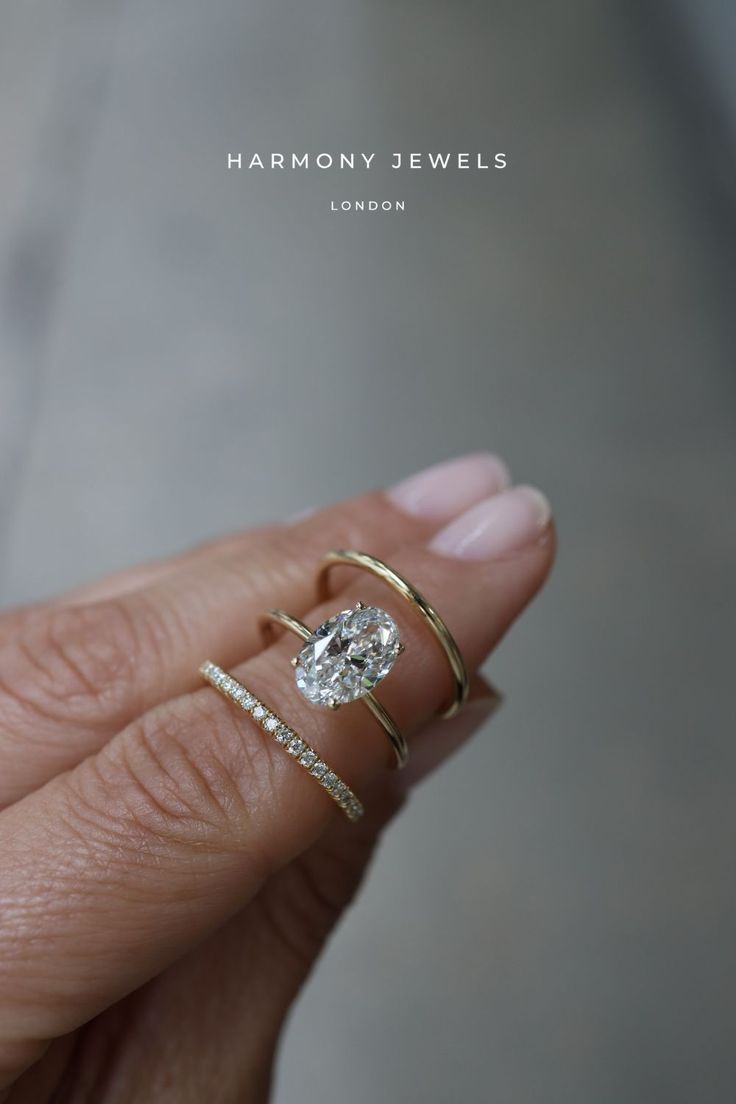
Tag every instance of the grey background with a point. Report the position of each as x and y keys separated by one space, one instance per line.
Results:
x=186 y=350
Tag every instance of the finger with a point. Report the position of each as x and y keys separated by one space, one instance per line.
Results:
x=176 y=823
x=154 y=571
x=73 y=675
x=435 y=494
x=214 y=1017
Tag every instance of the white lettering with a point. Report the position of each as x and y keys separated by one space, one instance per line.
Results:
x=324 y=160
x=235 y=161
x=368 y=205
x=397 y=160
x=500 y=160
x=367 y=157
x=439 y=160
x=463 y=160
x=415 y=160
x=277 y=160
x=347 y=160
x=255 y=162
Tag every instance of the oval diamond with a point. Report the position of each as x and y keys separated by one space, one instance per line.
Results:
x=347 y=655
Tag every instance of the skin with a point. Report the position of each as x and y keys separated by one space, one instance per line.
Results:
x=169 y=875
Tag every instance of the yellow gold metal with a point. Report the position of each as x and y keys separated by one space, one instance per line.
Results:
x=298 y=748
x=380 y=714
x=402 y=586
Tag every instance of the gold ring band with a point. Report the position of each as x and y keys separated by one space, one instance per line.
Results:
x=384 y=718
x=402 y=586
x=298 y=748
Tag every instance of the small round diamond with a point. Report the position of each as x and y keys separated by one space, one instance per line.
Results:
x=302 y=753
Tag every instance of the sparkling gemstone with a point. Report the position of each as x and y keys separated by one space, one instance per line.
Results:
x=347 y=655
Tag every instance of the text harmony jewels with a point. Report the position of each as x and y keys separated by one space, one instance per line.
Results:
x=366 y=161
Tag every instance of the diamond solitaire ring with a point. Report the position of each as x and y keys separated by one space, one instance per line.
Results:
x=344 y=659
x=402 y=586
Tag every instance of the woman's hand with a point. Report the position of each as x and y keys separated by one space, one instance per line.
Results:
x=168 y=874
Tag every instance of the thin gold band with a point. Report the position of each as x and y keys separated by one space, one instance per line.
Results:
x=384 y=718
x=409 y=593
x=298 y=748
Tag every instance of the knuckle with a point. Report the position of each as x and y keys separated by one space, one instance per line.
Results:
x=80 y=664
x=174 y=778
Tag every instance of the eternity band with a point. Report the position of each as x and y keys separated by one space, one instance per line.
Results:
x=299 y=749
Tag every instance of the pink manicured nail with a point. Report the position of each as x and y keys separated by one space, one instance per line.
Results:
x=500 y=525
x=445 y=490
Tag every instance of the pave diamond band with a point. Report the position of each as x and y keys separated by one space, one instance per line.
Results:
x=382 y=715
x=292 y=743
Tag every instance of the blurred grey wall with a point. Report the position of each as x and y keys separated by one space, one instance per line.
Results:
x=186 y=350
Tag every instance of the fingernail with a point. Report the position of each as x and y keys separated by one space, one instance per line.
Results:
x=442 y=738
x=445 y=490
x=502 y=524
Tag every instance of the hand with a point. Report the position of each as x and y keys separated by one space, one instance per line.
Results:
x=168 y=873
